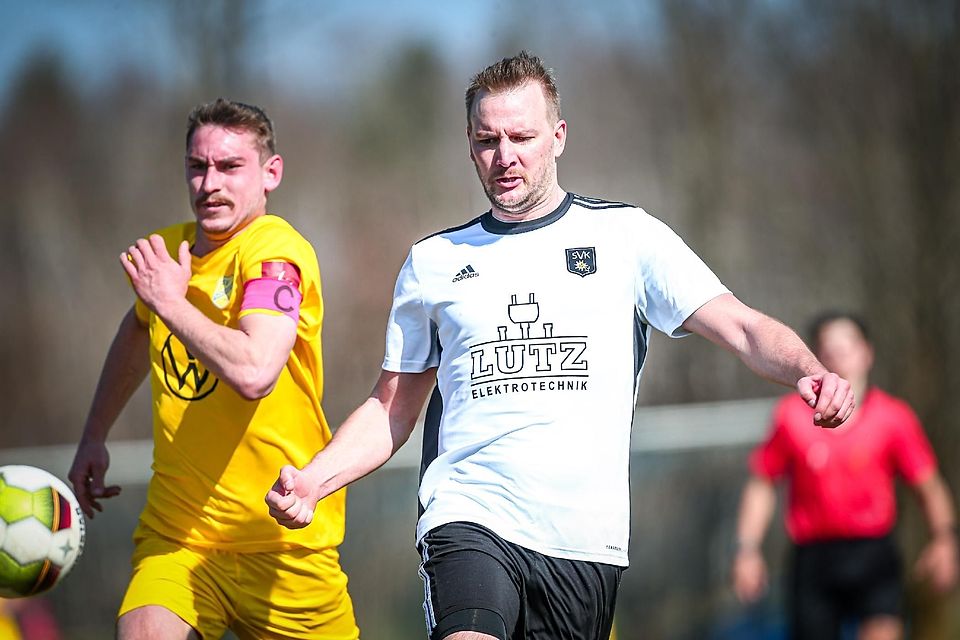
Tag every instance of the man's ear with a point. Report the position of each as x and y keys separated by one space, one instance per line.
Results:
x=559 y=138
x=272 y=173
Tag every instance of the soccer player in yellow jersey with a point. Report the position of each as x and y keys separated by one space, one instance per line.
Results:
x=226 y=324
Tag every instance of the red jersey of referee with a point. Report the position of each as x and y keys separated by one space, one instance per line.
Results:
x=842 y=480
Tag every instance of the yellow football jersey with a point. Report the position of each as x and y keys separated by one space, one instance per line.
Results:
x=216 y=454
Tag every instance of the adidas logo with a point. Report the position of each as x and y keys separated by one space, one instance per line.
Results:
x=466 y=272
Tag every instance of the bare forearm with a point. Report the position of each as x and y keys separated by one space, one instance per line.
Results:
x=937 y=506
x=248 y=358
x=234 y=356
x=124 y=369
x=769 y=348
x=373 y=432
x=773 y=351
x=362 y=444
x=756 y=511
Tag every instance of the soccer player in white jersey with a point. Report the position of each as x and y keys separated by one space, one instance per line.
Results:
x=532 y=323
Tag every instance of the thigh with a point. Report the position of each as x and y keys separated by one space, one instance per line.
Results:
x=876 y=587
x=297 y=593
x=181 y=581
x=471 y=583
x=815 y=610
x=570 y=599
x=154 y=621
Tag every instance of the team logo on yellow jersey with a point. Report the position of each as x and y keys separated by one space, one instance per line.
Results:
x=185 y=376
x=221 y=295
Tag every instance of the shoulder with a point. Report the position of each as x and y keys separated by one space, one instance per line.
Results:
x=598 y=210
x=889 y=405
x=445 y=235
x=272 y=232
x=619 y=216
x=269 y=225
x=591 y=203
x=272 y=239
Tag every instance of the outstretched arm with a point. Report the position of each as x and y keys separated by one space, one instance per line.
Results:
x=774 y=352
x=749 y=573
x=364 y=442
x=938 y=561
x=124 y=369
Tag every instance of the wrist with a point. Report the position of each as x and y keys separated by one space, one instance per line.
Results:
x=316 y=478
x=94 y=433
x=170 y=308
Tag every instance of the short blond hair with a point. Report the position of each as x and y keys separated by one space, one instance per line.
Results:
x=511 y=73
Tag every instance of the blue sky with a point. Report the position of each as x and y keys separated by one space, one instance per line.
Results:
x=309 y=44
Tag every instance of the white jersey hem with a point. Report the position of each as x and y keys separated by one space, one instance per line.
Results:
x=620 y=559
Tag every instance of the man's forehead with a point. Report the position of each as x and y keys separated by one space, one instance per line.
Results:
x=840 y=330
x=518 y=104
x=211 y=139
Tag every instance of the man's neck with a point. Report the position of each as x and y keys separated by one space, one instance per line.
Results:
x=204 y=244
x=544 y=207
x=859 y=386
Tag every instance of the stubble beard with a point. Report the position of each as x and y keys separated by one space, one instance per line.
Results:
x=536 y=193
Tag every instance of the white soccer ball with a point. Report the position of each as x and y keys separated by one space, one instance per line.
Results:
x=41 y=531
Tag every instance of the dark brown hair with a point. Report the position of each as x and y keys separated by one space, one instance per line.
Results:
x=827 y=317
x=235 y=115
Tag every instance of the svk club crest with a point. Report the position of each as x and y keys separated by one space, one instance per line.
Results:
x=582 y=261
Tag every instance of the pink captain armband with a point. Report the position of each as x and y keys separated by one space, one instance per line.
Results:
x=271 y=294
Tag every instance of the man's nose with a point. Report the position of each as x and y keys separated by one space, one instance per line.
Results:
x=212 y=180
x=506 y=154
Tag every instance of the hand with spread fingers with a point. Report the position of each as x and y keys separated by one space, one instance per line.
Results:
x=156 y=276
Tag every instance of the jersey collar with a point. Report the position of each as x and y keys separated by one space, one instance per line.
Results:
x=492 y=225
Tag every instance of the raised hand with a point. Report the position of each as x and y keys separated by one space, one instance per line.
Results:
x=157 y=278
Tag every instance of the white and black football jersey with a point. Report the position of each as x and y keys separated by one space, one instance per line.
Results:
x=539 y=330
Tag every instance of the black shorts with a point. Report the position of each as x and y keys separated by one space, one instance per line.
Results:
x=475 y=581
x=840 y=581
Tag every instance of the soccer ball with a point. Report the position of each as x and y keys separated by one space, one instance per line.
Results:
x=41 y=531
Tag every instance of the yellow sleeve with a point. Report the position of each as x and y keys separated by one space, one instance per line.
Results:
x=276 y=250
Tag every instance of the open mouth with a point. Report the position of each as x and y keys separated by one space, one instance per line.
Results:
x=509 y=182
x=207 y=205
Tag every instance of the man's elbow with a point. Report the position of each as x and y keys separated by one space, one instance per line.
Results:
x=254 y=383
